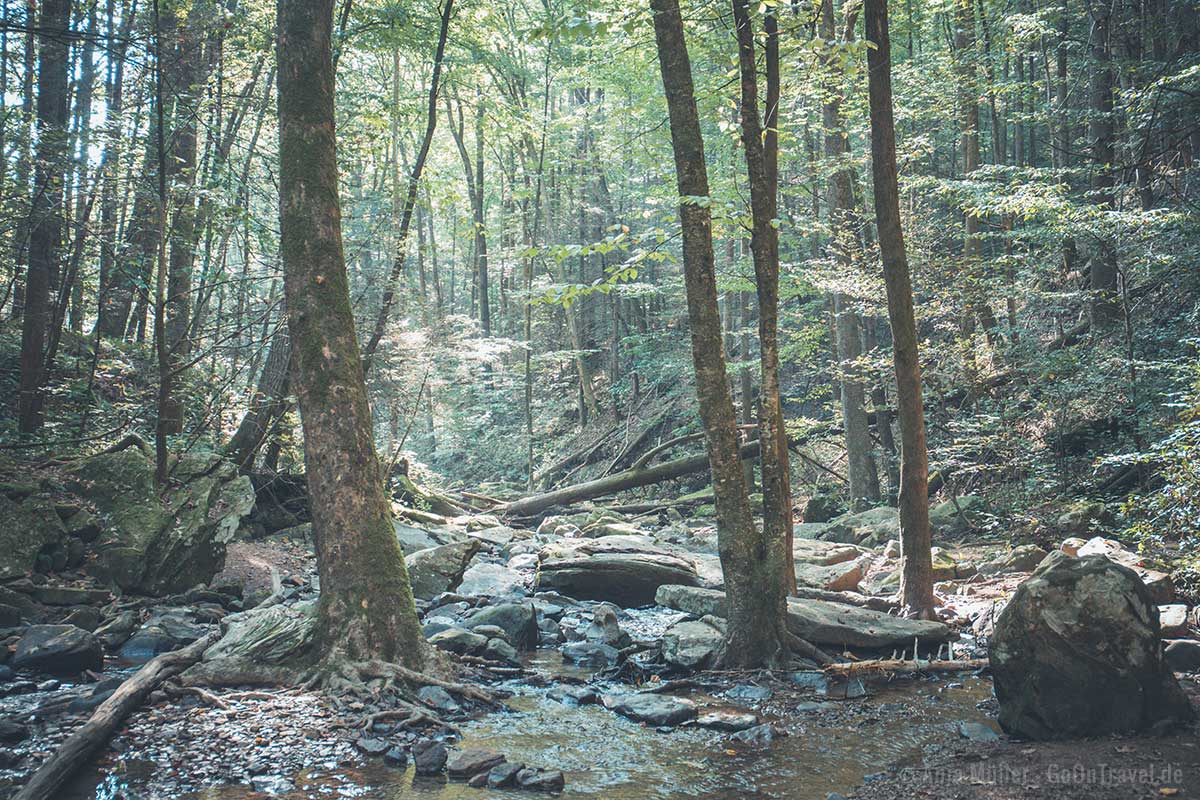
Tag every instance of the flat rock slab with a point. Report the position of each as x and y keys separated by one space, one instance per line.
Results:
x=823 y=554
x=818 y=621
x=626 y=570
x=472 y=761
x=727 y=720
x=652 y=709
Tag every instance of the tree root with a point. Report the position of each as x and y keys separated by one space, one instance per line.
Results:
x=384 y=669
x=208 y=698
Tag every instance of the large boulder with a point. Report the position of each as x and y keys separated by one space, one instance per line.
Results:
x=1161 y=587
x=1076 y=652
x=869 y=528
x=823 y=554
x=653 y=709
x=820 y=622
x=58 y=650
x=1024 y=558
x=843 y=577
x=517 y=620
x=692 y=644
x=412 y=538
x=491 y=580
x=439 y=569
x=162 y=542
x=27 y=529
x=626 y=570
x=957 y=516
x=272 y=635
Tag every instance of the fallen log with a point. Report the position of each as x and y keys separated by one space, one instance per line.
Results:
x=79 y=747
x=894 y=665
x=621 y=481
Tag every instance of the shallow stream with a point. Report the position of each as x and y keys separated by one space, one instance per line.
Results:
x=833 y=746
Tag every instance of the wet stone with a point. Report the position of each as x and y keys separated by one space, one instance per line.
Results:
x=11 y=732
x=541 y=780
x=977 y=732
x=573 y=695
x=757 y=736
x=590 y=654
x=396 y=757
x=727 y=720
x=652 y=709
x=372 y=746
x=745 y=691
x=474 y=761
x=503 y=775
x=438 y=699
x=429 y=756
x=272 y=784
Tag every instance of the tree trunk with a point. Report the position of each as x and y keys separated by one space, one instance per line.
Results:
x=46 y=213
x=861 y=472
x=410 y=196
x=756 y=595
x=760 y=142
x=266 y=405
x=916 y=577
x=1105 y=302
x=367 y=608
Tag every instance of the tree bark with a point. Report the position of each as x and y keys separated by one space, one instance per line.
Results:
x=366 y=607
x=916 y=577
x=861 y=471
x=760 y=142
x=46 y=213
x=757 y=608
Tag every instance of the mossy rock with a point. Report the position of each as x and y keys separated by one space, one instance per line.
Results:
x=27 y=529
x=162 y=543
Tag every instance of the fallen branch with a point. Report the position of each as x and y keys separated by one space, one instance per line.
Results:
x=847 y=598
x=895 y=665
x=629 y=479
x=79 y=747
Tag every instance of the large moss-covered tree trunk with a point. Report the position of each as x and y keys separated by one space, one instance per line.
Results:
x=756 y=597
x=367 y=609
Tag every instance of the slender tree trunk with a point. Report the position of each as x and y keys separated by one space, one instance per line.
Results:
x=861 y=472
x=1105 y=303
x=367 y=608
x=916 y=577
x=410 y=196
x=760 y=142
x=756 y=592
x=46 y=214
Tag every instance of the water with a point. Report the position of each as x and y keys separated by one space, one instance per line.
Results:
x=832 y=748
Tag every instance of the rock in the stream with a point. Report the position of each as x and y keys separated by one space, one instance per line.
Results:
x=691 y=644
x=1183 y=655
x=820 y=622
x=517 y=620
x=491 y=580
x=459 y=640
x=590 y=654
x=1076 y=652
x=429 y=756
x=272 y=784
x=503 y=775
x=412 y=538
x=439 y=569
x=257 y=640
x=371 y=745
x=758 y=736
x=12 y=732
x=653 y=709
x=1173 y=620
x=977 y=732
x=626 y=570
x=167 y=629
x=438 y=699
x=158 y=542
x=472 y=761
x=605 y=629
x=58 y=650
x=541 y=780
x=727 y=720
